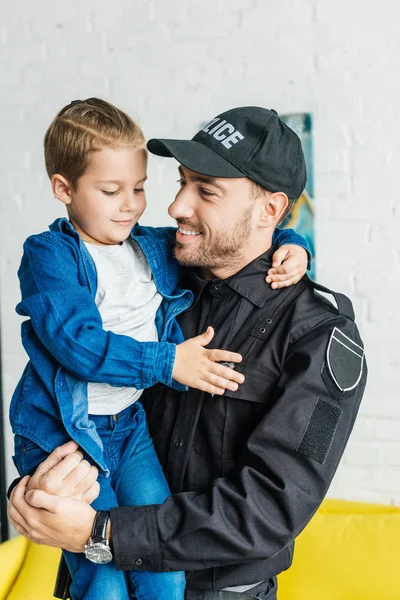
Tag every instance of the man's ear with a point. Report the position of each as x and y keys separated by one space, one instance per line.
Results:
x=274 y=206
x=62 y=189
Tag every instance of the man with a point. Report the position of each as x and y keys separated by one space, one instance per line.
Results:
x=247 y=470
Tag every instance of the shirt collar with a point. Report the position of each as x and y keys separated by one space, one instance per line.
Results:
x=249 y=282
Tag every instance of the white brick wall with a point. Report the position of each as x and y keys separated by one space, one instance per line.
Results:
x=175 y=64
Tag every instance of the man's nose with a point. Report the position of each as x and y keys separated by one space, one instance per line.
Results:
x=181 y=207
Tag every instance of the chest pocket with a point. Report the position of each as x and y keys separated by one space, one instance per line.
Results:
x=258 y=385
x=262 y=359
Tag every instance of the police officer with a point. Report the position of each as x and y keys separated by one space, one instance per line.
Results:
x=248 y=469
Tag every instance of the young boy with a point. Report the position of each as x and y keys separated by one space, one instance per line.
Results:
x=102 y=295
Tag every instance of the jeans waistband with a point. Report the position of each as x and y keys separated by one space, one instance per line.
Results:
x=110 y=421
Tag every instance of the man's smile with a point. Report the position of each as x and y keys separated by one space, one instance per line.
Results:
x=188 y=231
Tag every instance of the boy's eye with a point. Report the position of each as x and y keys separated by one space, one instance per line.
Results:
x=138 y=190
x=108 y=193
x=181 y=182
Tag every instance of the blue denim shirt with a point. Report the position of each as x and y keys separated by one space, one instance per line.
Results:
x=67 y=345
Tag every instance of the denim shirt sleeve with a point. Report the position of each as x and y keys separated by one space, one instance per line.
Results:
x=282 y=237
x=66 y=319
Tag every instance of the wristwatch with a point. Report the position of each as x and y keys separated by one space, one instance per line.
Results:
x=98 y=550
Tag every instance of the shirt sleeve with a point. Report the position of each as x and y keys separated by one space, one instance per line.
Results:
x=65 y=318
x=282 y=474
x=282 y=237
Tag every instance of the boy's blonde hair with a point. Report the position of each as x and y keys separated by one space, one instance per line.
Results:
x=81 y=128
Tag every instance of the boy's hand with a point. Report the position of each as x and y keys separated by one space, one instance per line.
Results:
x=66 y=473
x=198 y=367
x=289 y=264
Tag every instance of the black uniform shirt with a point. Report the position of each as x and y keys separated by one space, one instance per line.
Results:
x=248 y=469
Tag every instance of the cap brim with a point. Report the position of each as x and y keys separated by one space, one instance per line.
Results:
x=194 y=156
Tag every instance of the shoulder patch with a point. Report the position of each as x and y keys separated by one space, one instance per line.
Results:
x=345 y=361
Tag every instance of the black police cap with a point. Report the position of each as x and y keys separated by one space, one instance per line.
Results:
x=248 y=142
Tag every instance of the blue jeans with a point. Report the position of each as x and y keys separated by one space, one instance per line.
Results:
x=136 y=479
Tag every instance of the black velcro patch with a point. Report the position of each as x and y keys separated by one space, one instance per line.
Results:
x=321 y=427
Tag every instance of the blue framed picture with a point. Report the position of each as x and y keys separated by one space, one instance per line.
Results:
x=302 y=217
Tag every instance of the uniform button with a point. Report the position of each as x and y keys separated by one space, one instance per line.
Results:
x=115 y=418
x=179 y=444
x=138 y=562
x=263 y=330
x=216 y=287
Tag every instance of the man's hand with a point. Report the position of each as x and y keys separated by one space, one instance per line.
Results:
x=66 y=473
x=200 y=368
x=289 y=264
x=51 y=520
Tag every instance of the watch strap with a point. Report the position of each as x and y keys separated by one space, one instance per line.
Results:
x=99 y=531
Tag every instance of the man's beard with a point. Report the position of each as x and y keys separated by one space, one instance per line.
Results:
x=226 y=249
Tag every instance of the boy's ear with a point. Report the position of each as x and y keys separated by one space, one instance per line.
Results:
x=273 y=207
x=62 y=189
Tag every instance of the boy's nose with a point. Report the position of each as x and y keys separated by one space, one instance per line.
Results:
x=128 y=202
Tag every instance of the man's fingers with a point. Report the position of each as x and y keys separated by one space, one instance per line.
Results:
x=15 y=517
x=39 y=499
x=57 y=456
x=92 y=493
x=75 y=477
x=52 y=480
x=21 y=530
x=17 y=505
x=18 y=493
x=86 y=483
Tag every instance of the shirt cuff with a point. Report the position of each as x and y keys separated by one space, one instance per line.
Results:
x=158 y=363
x=135 y=538
x=12 y=486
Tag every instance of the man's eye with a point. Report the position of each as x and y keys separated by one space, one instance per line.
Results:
x=108 y=193
x=181 y=182
x=206 y=193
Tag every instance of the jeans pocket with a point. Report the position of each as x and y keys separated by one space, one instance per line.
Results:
x=28 y=455
x=266 y=590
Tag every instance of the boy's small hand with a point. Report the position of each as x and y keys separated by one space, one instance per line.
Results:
x=199 y=368
x=289 y=264
x=66 y=473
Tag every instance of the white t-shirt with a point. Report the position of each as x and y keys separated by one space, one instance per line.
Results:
x=128 y=300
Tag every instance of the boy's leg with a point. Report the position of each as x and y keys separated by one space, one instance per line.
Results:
x=27 y=455
x=90 y=581
x=139 y=480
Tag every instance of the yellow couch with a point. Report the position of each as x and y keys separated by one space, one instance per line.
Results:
x=349 y=551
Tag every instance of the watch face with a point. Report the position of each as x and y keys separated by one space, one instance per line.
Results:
x=98 y=553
